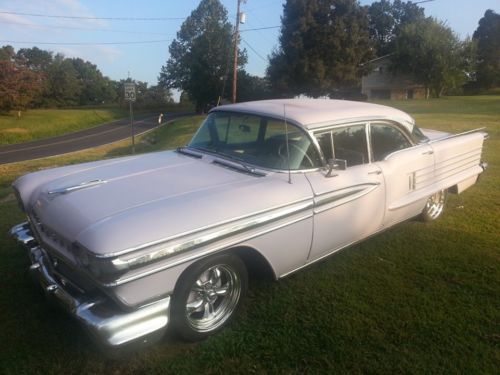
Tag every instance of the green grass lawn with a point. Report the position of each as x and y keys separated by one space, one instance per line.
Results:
x=42 y=123
x=418 y=298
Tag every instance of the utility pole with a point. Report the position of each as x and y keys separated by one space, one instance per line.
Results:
x=236 y=42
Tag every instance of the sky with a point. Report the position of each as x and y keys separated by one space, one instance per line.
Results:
x=140 y=47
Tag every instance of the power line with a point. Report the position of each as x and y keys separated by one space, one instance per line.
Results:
x=249 y=46
x=260 y=28
x=86 y=43
x=95 y=18
x=79 y=28
x=109 y=30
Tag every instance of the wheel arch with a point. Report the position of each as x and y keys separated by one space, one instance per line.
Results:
x=258 y=266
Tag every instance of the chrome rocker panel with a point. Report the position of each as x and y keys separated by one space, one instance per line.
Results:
x=106 y=324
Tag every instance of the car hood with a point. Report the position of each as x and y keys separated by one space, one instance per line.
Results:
x=116 y=204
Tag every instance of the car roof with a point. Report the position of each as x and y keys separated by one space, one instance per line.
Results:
x=316 y=113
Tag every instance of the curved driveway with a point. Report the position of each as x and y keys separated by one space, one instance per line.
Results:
x=80 y=140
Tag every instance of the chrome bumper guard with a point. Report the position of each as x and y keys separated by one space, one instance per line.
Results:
x=111 y=327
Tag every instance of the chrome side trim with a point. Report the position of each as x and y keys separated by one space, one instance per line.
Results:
x=338 y=197
x=457 y=135
x=202 y=253
x=206 y=239
x=426 y=191
x=353 y=192
x=83 y=185
x=198 y=230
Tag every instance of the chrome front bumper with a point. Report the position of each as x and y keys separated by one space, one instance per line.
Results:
x=104 y=321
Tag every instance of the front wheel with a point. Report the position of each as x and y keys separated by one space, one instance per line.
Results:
x=434 y=206
x=208 y=295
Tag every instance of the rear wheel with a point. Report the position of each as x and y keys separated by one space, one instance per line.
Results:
x=208 y=295
x=434 y=206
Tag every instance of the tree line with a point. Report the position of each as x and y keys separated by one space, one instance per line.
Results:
x=325 y=47
x=35 y=78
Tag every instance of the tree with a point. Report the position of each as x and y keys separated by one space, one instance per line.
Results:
x=39 y=61
x=200 y=55
x=487 y=36
x=432 y=53
x=323 y=44
x=35 y=58
x=53 y=80
x=95 y=88
x=252 y=87
x=157 y=96
x=64 y=87
x=18 y=86
x=7 y=53
x=387 y=19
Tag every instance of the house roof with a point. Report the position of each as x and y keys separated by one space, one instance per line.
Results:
x=315 y=113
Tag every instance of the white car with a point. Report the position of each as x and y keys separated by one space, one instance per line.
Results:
x=132 y=245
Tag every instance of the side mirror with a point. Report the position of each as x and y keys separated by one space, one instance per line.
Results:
x=336 y=164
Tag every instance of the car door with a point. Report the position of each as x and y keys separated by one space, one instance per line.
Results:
x=408 y=169
x=348 y=204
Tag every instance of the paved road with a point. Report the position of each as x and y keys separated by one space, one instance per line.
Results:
x=81 y=140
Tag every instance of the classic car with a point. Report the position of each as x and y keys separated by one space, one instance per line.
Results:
x=133 y=245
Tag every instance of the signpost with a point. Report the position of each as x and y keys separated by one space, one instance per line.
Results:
x=130 y=97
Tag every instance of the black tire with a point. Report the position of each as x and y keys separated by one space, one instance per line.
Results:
x=435 y=206
x=208 y=295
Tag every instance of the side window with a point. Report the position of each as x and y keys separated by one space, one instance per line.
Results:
x=386 y=139
x=347 y=143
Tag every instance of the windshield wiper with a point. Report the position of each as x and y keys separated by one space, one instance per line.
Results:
x=240 y=164
x=186 y=151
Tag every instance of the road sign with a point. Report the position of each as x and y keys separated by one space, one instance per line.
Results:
x=130 y=92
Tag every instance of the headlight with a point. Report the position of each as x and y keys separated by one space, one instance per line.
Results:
x=99 y=268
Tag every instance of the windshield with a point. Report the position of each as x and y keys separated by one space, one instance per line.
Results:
x=256 y=140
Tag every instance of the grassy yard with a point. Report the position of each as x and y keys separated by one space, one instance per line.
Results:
x=42 y=123
x=419 y=298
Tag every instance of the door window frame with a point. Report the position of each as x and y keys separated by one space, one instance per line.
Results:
x=329 y=129
x=393 y=125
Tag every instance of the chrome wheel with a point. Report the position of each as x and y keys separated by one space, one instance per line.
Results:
x=207 y=296
x=434 y=206
x=213 y=298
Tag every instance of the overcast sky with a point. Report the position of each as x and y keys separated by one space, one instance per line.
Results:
x=144 y=60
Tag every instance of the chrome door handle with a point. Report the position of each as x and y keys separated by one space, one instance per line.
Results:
x=375 y=172
x=428 y=152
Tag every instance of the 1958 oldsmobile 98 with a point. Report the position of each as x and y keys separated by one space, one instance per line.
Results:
x=132 y=245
